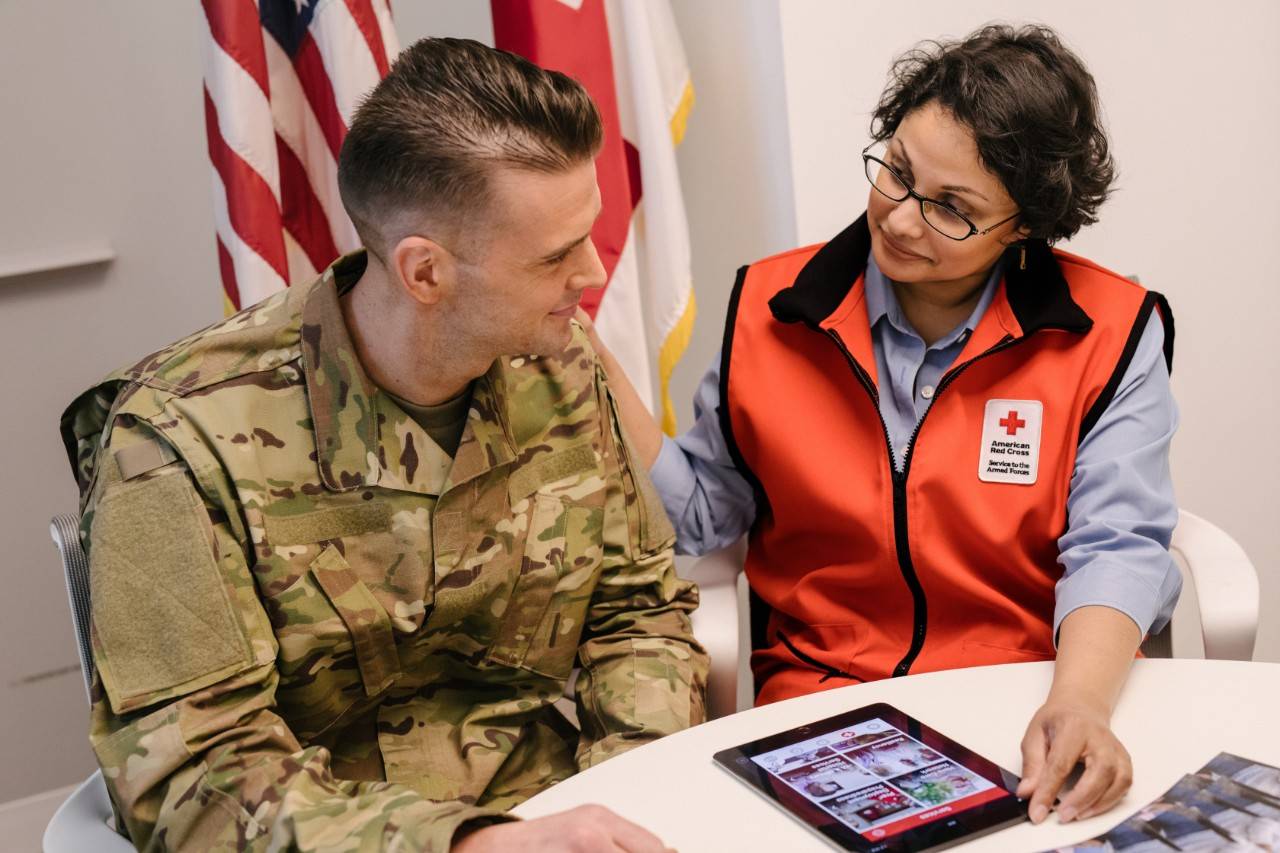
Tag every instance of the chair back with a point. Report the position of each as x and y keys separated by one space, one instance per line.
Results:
x=65 y=530
x=85 y=821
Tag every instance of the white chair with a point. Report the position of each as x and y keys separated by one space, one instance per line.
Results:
x=84 y=822
x=1216 y=616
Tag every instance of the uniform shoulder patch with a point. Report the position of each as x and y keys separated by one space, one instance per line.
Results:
x=162 y=617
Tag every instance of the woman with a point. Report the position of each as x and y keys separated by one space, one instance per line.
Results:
x=948 y=441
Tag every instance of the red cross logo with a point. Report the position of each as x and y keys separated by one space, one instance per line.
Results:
x=1012 y=423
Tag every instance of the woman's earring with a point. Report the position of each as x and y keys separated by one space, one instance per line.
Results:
x=1022 y=256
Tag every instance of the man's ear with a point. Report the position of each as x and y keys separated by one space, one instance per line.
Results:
x=422 y=266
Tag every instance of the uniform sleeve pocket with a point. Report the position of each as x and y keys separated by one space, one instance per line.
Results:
x=163 y=619
x=365 y=619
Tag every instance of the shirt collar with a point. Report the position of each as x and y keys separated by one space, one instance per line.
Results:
x=882 y=304
x=362 y=437
x=1037 y=292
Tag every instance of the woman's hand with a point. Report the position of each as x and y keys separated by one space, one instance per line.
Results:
x=589 y=326
x=1096 y=645
x=638 y=423
x=1061 y=735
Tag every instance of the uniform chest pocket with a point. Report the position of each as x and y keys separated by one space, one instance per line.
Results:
x=389 y=551
x=336 y=645
x=365 y=620
x=539 y=629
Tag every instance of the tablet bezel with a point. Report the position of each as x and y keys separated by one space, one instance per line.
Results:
x=945 y=832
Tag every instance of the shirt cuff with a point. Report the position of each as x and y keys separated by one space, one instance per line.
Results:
x=439 y=823
x=1110 y=584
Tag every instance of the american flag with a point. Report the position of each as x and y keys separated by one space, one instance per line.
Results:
x=281 y=80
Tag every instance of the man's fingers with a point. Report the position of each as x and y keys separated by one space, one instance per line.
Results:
x=629 y=836
x=1064 y=752
x=1034 y=747
x=1099 y=775
x=633 y=839
x=590 y=828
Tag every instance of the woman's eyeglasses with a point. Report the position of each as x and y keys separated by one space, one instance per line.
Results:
x=940 y=216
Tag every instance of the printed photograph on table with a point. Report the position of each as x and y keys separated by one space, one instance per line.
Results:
x=1231 y=803
x=1262 y=778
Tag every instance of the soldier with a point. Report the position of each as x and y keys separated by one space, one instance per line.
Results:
x=347 y=546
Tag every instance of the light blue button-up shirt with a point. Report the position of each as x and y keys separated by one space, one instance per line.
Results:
x=1120 y=508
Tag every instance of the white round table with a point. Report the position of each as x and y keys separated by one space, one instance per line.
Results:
x=1174 y=716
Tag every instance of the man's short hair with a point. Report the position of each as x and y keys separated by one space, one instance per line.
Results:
x=424 y=141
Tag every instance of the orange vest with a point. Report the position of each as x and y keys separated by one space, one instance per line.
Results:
x=866 y=572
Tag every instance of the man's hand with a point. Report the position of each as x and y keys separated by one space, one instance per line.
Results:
x=1061 y=735
x=586 y=829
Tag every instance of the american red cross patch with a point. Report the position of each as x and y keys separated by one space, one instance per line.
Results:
x=1011 y=441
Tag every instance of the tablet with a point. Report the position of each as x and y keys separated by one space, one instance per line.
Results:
x=878 y=780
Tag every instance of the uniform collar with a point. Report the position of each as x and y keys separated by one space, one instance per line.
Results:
x=1038 y=296
x=362 y=437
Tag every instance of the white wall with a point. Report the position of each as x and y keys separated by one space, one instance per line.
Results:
x=102 y=138
x=1192 y=98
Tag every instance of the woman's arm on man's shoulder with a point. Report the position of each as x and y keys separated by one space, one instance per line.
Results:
x=708 y=500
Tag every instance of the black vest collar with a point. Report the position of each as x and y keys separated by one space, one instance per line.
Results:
x=1038 y=295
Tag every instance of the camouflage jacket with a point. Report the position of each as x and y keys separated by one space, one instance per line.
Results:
x=312 y=629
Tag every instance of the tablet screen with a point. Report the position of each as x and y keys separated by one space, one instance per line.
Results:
x=876 y=779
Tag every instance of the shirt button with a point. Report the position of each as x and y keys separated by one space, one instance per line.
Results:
x=927 y=392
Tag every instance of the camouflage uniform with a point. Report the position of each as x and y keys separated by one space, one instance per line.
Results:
x=314 y=630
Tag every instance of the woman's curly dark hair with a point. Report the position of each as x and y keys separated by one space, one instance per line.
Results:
x=1034 y=112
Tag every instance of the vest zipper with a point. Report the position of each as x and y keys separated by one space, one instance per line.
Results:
x=920 y=616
